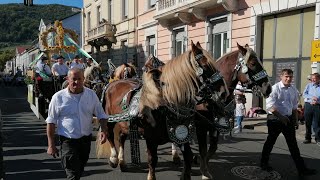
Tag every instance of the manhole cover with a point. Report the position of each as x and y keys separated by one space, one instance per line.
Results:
x=254 y=173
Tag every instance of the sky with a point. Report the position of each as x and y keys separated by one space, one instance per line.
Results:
x=75 y=3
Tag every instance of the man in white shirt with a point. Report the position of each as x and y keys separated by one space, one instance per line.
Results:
x=43 y=67
x=71 y=111
x=60 y=71
x=59 y=68
x=282 y=107
x=76 y=63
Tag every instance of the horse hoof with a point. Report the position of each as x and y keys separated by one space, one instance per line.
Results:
x=113 y=162
x=176 y=160
x=123 y=166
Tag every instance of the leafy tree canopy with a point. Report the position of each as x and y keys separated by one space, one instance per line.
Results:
x=19 y=24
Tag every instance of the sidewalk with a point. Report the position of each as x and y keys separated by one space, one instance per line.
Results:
x=260 y=125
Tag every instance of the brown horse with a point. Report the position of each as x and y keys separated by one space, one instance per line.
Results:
x=241 y=65
x=124 y=71
x=170 y=95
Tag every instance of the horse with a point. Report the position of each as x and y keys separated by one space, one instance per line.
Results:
x=240 y=65
x=124 y=71
x=167 y=93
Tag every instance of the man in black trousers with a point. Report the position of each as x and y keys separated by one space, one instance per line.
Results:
x=282 y=118
x=311 y=96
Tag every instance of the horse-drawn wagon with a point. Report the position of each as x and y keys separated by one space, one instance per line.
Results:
x=55 y=41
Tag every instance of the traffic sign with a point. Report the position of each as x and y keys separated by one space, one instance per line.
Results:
x=315 y=51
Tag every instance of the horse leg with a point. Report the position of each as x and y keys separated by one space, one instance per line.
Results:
x=175 y=155
x=122 y=162
x=202 y=142
x=152 y=159
x=214 y=137
x=187 y=158
x=113 y=160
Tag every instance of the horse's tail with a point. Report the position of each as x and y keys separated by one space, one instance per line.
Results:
x=102 y=150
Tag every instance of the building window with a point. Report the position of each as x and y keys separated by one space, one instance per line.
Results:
x=110 y=11
x=99 y=18
x=124 y=48
x=179 y=42
x=89 y=21
x=219 y=34
x=151 y=45
x=152 y=3
x=124 y=9
x=220 y=44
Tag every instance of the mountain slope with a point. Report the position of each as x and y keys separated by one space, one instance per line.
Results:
x=19 y=23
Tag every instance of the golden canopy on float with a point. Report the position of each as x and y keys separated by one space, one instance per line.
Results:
x=58 y=39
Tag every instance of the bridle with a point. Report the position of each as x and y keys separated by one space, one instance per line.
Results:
x=252 y=80
x=205 y=91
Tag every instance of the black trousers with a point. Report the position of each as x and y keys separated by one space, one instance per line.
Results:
x=74 y=155
x=275 y=127
x=312 y=115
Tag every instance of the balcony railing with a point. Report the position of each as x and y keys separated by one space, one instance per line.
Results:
x=169 y=4
x=104 y=29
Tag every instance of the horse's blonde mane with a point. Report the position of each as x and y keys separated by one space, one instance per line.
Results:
x=151 y=97
x=89 y=70
x=180 y=80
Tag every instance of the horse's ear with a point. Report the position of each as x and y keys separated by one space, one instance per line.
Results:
x=198 y=45
x=242 y=49
x=100 y=63
x=193 y=46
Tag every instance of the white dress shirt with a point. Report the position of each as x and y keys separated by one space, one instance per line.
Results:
x=43 y=67
x=60 y=69
x=76 y=65
x=72 y=113
x=283 y=99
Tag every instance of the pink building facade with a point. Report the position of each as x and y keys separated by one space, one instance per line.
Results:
x=280 y=31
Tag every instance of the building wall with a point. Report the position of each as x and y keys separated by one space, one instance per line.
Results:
x=146 y=27
x=125 y=29
x=247 y=27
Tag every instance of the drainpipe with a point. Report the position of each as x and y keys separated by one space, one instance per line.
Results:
x=136 y=59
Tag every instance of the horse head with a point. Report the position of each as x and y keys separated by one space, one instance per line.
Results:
x=92 y=75
x=251 y=71
x=192 y=76
x=152 y=63
x=124 y=71
x=212 y=82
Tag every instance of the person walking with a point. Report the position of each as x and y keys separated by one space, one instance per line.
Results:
x=311 y=96
x=71 y=111
x=282 y=118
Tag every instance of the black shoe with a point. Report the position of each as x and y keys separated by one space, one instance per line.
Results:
x=307 y=141
x=307 y=172
x=266 y=167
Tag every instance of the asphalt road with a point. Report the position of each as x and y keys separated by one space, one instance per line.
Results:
x=237 y=157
